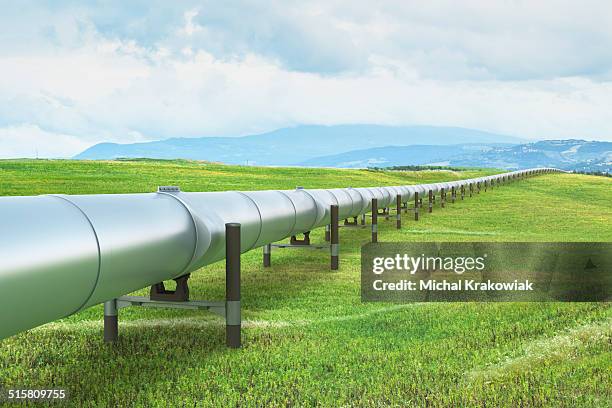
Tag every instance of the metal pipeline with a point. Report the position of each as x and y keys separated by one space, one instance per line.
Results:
x=61 y=254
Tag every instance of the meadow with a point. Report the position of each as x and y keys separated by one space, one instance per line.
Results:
x=308 y=340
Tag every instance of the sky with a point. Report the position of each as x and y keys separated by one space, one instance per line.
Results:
x=75 y=73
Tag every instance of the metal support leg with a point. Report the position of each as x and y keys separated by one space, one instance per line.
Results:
x=398 y=216
x=374 y=220
x=363 y=219
x=267 y=255
x=478 y=187
x=334 y=247
x=233 y=320
x=453 y=194
x=430 y=209
x=471 y=189
x=442 y=198
x=416 y=206
x=462 y=192
x=111 y=321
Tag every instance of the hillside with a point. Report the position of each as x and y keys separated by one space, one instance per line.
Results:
x=29 y=177
x=308 y=338
x=290 y=146
x=388 y=156
x=564 y=154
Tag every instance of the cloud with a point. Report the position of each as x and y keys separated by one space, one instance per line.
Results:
x=31 y=141
x=81 y=74
x=441 y=39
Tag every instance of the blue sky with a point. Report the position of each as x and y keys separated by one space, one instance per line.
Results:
x=77 y=73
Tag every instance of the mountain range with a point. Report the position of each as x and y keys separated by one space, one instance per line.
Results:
x=565 y=154
x=290 y=146
x=361 y=146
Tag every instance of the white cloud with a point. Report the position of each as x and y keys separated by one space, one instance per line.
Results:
x=31 y=141
x=190 y=27
x=529 y=70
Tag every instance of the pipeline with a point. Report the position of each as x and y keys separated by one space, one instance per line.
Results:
x=60 y=254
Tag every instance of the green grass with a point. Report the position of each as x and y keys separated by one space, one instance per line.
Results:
x=308 y=339
x=29 y=177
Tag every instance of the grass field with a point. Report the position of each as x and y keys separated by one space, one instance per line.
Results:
x=308 y=339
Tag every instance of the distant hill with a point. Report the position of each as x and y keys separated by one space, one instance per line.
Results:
x=398 y=155
x=290 y=146
x=566 y=154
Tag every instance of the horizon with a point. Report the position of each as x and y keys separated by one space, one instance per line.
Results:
x=524 y=141
x=75 y=75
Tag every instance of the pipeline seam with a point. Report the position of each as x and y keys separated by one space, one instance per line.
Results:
x=195 y=228
x=332 y=195
x=349 y=196
x=260 y=218
x=294 y=209
x=363 y=209
x=95 y=233
x=333 y=199
x=338 y=201
x=316 y=202
x=364 y=200
x=378 y=190
x=353 y=209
